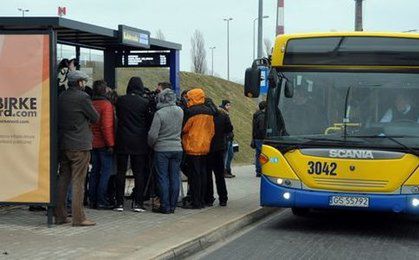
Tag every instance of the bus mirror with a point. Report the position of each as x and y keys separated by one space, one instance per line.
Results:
x=289 y=89
x=252 y=82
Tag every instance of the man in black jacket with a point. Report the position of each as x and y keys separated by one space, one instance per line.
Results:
x=134 y=119
x=229 y=153
x=215 y=159
x=76 y=112
x=258 y=134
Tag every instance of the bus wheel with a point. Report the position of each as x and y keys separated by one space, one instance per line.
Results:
x=300 y=212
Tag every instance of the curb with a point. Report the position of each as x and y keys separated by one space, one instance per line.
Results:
x=216 y=235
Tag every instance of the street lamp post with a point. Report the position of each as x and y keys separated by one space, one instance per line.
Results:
x=228 y=46
x=260 y=33
x=23 y=11
x=254 y=31
x=212 y=60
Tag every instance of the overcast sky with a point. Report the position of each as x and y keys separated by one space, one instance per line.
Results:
x=177 y=19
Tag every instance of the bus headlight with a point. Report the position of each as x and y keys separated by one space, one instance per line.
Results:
x=415 y=202
x=287 y=195
x=289 y=183
x=410 y=190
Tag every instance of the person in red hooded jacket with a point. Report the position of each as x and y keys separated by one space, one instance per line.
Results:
x=103 y=144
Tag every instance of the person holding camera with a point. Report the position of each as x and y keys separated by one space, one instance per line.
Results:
x=164 y=138
x=133 y=114
x=64 y=67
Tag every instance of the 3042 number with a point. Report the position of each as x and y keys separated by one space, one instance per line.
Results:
x=320 y=168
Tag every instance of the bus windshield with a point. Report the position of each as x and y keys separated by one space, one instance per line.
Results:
x=347 y=107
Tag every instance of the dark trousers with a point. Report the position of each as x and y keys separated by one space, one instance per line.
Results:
x=138 y=166
x=73 y=169
x=101 y=171
x=258 y=150
x=197 y=178
x=167 y=165
x=215 y=163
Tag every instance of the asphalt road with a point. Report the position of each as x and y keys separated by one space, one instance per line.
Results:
x=325 y=235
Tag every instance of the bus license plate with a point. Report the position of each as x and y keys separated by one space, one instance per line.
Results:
x=349 y=201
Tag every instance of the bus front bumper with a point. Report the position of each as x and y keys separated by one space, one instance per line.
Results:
x=273 y=195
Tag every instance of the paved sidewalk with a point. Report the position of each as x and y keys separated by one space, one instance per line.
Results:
x=24 y=234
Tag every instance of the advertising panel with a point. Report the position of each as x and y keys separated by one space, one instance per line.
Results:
x=25 y=120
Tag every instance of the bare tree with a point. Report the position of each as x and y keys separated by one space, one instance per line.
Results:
x=160 y=35
x=268 y=46
x=198 y=53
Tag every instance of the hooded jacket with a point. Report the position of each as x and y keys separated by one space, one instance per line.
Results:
x=104 y=130
x=166 y=128
x=132 y=111
x=258 y=125
x=223 y=127
x=198 y=130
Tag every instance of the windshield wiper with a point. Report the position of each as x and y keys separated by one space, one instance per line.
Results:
x=393 y=139
x=346 y=111
x=319 y=140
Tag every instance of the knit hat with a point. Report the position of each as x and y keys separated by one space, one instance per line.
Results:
x=224 y=103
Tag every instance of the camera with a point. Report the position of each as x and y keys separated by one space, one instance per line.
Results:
x=151 y=96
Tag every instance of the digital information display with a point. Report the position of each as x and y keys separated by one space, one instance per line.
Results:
x=148 y=60
x=134 y=37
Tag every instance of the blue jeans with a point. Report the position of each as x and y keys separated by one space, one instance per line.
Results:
x=229 y=156
x=102 y=165
x=167 y=166
x=258 y=149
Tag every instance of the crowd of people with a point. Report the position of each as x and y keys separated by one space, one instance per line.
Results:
x=156 y=134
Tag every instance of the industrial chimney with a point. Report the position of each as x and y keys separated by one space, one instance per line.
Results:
x=280 y=18
x=358 y=15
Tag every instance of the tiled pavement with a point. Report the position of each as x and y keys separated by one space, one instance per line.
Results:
x=25 y=235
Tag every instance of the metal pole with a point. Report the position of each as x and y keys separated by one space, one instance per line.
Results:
x=254 y=44
x=228 y=49
x=212 y=60
x=260 y=33
x=254 y=20
x=228 y=46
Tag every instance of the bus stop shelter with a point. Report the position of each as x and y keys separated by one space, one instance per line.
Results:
x=28 y=93
x=124 y=47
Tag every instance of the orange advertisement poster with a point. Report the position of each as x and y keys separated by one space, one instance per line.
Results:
x=25 y=118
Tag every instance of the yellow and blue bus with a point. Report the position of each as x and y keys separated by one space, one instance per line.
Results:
x=342 y=122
